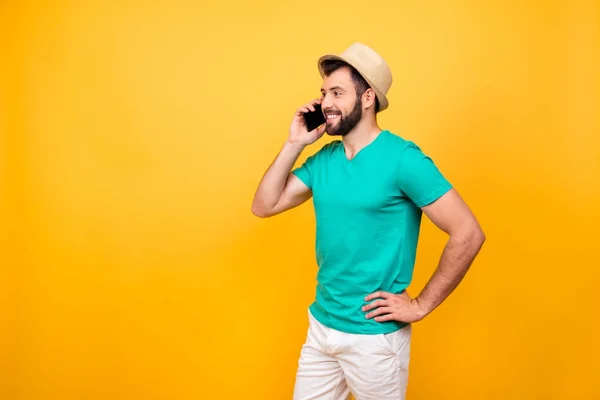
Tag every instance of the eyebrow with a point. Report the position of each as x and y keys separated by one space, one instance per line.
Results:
x=333 y=88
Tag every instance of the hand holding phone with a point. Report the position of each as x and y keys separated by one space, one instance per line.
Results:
x=314 y=119
x=308 y=125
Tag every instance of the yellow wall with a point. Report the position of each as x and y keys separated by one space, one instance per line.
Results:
x=136 y=133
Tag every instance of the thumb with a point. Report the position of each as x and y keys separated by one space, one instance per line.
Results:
x=321 y=129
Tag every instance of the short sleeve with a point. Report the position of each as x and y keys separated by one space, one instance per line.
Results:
x=419 y=177
x=305 y=171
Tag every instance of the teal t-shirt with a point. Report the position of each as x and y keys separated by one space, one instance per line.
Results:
x=367 y=224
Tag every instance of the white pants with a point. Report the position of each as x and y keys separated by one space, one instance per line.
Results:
x=334 y=364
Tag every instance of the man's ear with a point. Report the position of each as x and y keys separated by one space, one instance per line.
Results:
x=369 y=98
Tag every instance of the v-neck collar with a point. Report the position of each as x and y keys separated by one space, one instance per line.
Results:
x=362 y=150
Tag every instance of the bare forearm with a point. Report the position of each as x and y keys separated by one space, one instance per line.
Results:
x=456 y=259
x=273 y=182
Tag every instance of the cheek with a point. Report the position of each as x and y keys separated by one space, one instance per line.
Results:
x=347 y=107
x=342 y=106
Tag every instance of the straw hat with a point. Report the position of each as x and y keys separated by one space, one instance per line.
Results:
x=370 y=65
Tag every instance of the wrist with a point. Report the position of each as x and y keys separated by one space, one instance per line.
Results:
x=298 y=146
x=422 y=307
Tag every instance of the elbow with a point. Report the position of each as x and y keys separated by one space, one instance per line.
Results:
x=260 y=207
x=478 y=237
x=259 y=211
x=471 y=236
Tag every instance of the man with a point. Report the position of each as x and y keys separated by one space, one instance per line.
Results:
x=369 y=191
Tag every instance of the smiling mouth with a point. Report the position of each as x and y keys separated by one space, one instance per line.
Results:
x=332 y=116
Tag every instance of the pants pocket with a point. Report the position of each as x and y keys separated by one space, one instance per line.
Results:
x=395 y=341
x=388 y=341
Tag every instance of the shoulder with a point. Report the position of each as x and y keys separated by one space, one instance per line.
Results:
x=330 y=147
x=403 y=149
x=325 y=150
x=409 y=157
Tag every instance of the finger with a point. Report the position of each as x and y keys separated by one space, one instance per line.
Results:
x=375 y=304
x=379 y=311
x=312 y=104
x=383 y=318
x=380 y=294
x=319 y=130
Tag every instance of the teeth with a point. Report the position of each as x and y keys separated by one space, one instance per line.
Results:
x=331 y=116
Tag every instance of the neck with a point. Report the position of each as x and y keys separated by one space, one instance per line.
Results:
x=363 y=133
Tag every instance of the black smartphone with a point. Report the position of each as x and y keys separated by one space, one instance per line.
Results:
x=314 y=119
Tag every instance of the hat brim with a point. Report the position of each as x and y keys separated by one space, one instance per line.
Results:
x=381 y=97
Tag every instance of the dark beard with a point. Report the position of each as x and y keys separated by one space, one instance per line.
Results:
x=347 y=123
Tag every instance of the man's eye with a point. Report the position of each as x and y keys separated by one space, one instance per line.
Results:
x=337 y=93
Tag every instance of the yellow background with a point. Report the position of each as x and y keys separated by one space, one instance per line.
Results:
x=134 y=135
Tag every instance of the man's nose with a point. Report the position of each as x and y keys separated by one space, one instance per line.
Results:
x=326 y=102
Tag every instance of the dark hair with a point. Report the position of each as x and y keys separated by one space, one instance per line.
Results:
x=361 y=85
